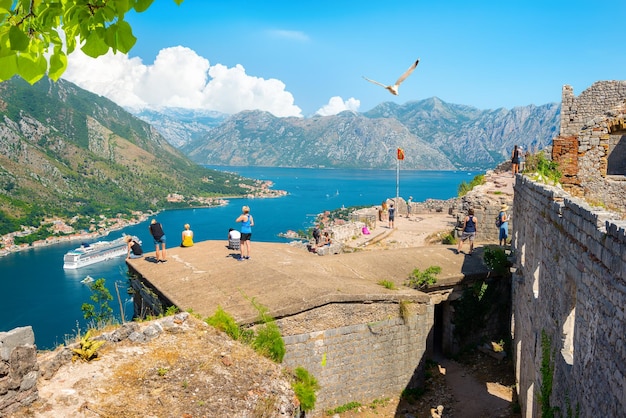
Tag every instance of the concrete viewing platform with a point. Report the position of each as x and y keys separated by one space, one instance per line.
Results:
x=288 y=279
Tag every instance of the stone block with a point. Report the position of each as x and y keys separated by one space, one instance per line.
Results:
x=15 y=338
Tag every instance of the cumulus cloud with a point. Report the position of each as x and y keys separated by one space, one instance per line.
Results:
x=336 y=105
x=179 y=78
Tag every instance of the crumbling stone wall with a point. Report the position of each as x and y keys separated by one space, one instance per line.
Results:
x=591 y=147
x=569 y=283
x=360 y=351
x=18 y=369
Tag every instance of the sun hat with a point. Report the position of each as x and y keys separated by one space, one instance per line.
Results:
x=504 y=207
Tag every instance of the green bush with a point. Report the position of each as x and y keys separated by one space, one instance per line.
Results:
x=497 y=261
x=224 y=322
x=305 y=388
x=464 y=187
x=269 y=343
x=420 y=279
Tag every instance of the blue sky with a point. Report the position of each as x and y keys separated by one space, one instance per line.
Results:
x=301 y=57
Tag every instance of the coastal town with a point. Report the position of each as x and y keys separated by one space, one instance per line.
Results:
x=59 y=230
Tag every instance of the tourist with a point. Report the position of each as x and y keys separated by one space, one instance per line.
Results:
x=156 y=230
x=383 y=210
x=247 y=222
x=515 y=159
x=325 y=240
x=234 y=239
x=134 y=249
x=503 y=221
x=408 y=206
x=316 y=235
x=392 y=215
x=468 y=231
x=187 y=237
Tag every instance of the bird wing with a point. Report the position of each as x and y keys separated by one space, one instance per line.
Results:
x=375 y=82
x=407 y=72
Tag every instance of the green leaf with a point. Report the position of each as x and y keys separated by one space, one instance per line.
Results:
x=124 y=39
x=19 y=40
x=58 y=64
x=142 y=5
x=5 y=6
x=95 y=45
x=31 y=68
x=178 y=2
x=8 y=67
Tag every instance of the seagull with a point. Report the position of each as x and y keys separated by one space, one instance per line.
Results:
x=394 y=89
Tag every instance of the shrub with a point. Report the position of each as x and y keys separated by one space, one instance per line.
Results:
x=224 y=322
x=269 y=342
x=305 y=388
x=497 y=261
x=420 y=279
x=464 y=187
x=100 y=313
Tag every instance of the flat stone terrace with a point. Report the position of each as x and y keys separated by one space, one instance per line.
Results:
x=288 y=279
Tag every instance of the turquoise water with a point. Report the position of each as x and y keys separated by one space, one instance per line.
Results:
x=37 y=290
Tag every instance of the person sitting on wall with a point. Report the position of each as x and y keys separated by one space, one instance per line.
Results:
x=187 y=237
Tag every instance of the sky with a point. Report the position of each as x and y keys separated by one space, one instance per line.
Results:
x=301 y=58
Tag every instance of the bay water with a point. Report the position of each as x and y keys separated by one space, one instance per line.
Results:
x=37 y=291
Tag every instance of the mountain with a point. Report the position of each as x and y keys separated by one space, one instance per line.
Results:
x=434 y=135
x=347 y=140
x=65 y=151
x=181 y=126
x=473 y=138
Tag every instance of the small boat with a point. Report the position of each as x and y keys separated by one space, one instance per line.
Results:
x=88 y=254
x=87 y=279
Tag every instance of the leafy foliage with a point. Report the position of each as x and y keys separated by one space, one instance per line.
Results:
x=224 y=322
x=32 y=33
x=305 y=388
x=420 y=279
x=546 y=170
x=496 y=259
x=101 y=312
x=465 y=187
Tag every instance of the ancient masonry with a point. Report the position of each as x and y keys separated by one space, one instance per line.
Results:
x=569 y=285
x=19 y=369
x=591 y=147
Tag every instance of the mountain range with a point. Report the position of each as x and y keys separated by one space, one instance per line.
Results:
x=434 y=135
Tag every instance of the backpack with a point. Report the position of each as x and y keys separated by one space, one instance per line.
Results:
x=498 y=221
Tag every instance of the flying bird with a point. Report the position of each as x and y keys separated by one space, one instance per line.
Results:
x=394 y=89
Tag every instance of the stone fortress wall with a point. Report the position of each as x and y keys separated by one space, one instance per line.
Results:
x=591 y=147
x=569 y=283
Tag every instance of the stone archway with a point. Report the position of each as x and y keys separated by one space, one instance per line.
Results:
x=616 y=153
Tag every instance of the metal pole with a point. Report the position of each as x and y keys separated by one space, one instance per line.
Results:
x=397 y=183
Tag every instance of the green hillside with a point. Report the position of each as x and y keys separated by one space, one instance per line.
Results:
x=66 y=152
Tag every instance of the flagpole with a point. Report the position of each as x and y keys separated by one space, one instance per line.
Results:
x=397 y=182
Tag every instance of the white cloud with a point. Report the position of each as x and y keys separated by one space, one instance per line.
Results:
x=179 y=78
x=336 y=105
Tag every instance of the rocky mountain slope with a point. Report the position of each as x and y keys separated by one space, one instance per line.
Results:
x=434 y=135
x=65 y=151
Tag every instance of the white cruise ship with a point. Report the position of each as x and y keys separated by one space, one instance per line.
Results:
x=88 y=254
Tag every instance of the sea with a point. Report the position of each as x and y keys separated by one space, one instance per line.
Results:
x=37 y=291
